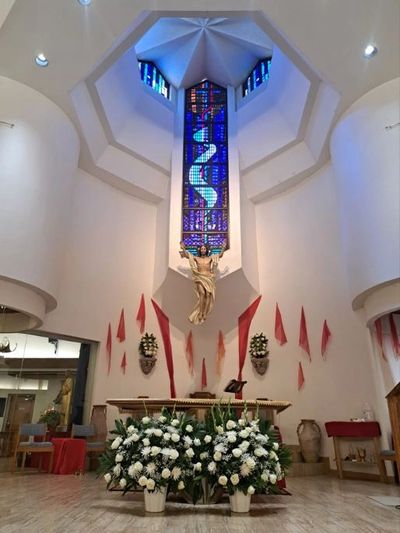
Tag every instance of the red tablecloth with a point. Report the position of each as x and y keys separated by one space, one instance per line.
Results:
x=353 y=429
x=69 y=456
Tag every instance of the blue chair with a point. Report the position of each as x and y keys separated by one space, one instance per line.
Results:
x=31 y=446
x=89 y=433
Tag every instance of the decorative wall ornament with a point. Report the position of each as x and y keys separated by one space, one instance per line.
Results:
x=303 y=336
x=141 y=315
x=220 y=352
x=203 y=374
x=123 y=363
x=163 y=322
x=148 y=350
x=325 y=337
x=280 y=335
x=121 y=327
x=259 y=352
x=189 y=352
x=109 y=348
x=300 y=377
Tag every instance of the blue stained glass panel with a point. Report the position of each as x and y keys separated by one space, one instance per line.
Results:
x=259 y=75
x=151 y=76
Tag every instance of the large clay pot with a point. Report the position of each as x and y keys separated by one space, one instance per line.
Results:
x=309 y=435
x=240 y=502
x=154 y=501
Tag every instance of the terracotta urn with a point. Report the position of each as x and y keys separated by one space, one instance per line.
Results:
x=309 y=435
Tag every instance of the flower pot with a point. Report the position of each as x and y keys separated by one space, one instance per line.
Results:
x=147 y=364
x=154 y=501
x=260 y=364
x=240 y=502
x=309 y=435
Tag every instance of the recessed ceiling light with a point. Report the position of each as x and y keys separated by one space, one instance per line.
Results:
x=85 y=2
x=370 y=50
x=41 y=60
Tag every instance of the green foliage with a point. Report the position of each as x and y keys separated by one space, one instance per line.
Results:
x=148 y=346
x=51 y=417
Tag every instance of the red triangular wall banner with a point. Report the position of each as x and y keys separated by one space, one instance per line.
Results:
x=141 y=315
x=303 y=337
x=109 y=348
x=123 y=363
x=395 y=336
x=220 y=352
x=300 y=377
x=379 y=336
x=163 y=322
x=189 y=352
x=280 y=335
x=121 y=327
x=325 y=338
x=203 y=375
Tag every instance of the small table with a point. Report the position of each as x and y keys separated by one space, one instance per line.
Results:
x=343 y=430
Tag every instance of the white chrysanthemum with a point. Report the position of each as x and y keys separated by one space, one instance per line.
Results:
x=181 y=485
x=262 y=438
x=212 y=467
x=188 y=440
x=175 y=422
x=217 y=456
x=107 y=477
x=117 y=469
x=203 y=455
x=176 y=473
x=190 y=452
x=142 y=481
x=155 y=450
x=207 y=439
x=230 y=424
x=166 y=473
x=220 y=430
x=259 y=452
x=146 y=442
x=189 y=428
x=135 y=437
x=146 y=420
x=197 y=442
x=150 y=468
x=158 y=432
x=250 y=462
x=264 y=476
x=220 y=448
x=244 y=434
x=127 y=441
x=150 y=485
x=272 y=478
x=174 y=454
x=175 y=437
x=251 y=490
x=222 y=480
x=119 y=458
x=116 y=443
x=197 y=467
x=244 y=470
x=237 y=452
x=276 y=446
x=138 y=466
x=167 y=436
x=146 y=451
x=244 y=445
x=162 y=419
x=234 y=479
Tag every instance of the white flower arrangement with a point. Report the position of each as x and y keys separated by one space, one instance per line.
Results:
x=258 y=345
x=148 y=346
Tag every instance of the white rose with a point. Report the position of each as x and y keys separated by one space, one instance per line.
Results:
x=146 y=442
x=117 y=470
x=190 y=452
x=244 y=433
x=264 y=476
x=207 y=439
x=122 y=483
x=138 y=466
x=189 y=428
x=150 y=484
x=107 y=477
x=158 y=433
x=250 y=463
x=220 y=447
x=155 y=450
x=244 y=445
x=220 y=430
x=211 y=467
x=197 y=442
x=251 y=490
x=237 y=452
x=175 y=422
x=222 y=480
x=119 y=457
x=174 y=454
x=203 y=455
x=273 y=455
x=230 y=424
x=231 y=438
x=165 y=474
x=135 y=437
x=188 y=440
x=143 y=481
x=276 y=446
x=272 y=478
x=217 y=456
x=241 y=422
x=181 y=485
x=162 y=419
x=116 y=443
x=167 y=436
x=131 y=429
x=146 y=420
x=234 y=479
x=278 y=469
x=259 y=452
x=197 y=467
x=175 y=437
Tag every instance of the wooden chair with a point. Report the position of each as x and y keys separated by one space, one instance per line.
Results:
x=30 y=446
x=88 y=432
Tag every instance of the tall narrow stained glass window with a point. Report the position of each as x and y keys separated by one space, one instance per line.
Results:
x=259 y=75
x=152 y=77
x=205 y=213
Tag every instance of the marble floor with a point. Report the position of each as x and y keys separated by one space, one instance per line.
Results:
x=42 y=503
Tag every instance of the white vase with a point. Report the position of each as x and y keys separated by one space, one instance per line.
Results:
x=240 y=502
x=154 y=501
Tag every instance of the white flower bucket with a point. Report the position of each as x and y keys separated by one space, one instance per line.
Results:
x=154 y=501
x=240 y=502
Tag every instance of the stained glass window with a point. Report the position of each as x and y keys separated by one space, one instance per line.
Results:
x=205 y=167
x=151 y=76
x=257 y=76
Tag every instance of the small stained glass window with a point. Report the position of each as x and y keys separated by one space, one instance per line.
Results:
x=152 y=77
x=259 y=75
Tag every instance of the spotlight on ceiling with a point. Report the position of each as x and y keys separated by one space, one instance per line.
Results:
x=370 y=50
x=41 y=60
x=85 y=2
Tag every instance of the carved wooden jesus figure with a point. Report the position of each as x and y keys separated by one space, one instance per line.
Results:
x=204 y=268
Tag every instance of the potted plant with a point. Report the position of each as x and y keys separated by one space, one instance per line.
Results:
x=148 y=349
x=259 y=352
x=51 y=417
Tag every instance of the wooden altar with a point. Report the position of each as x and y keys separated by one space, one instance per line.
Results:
x=137 y=406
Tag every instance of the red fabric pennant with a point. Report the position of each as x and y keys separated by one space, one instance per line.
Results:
x=303 y=337
x=203 y=375
x=123 y=363
x=379 y=336
x=121 y=327
x=280 y=335
x=325 y=337
x=244 y=323
x=300 y=377
x=141 y=315
x=220 y=352
x=395 y=336
x=189 y=352
x=109 y=348
x=163 y=322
